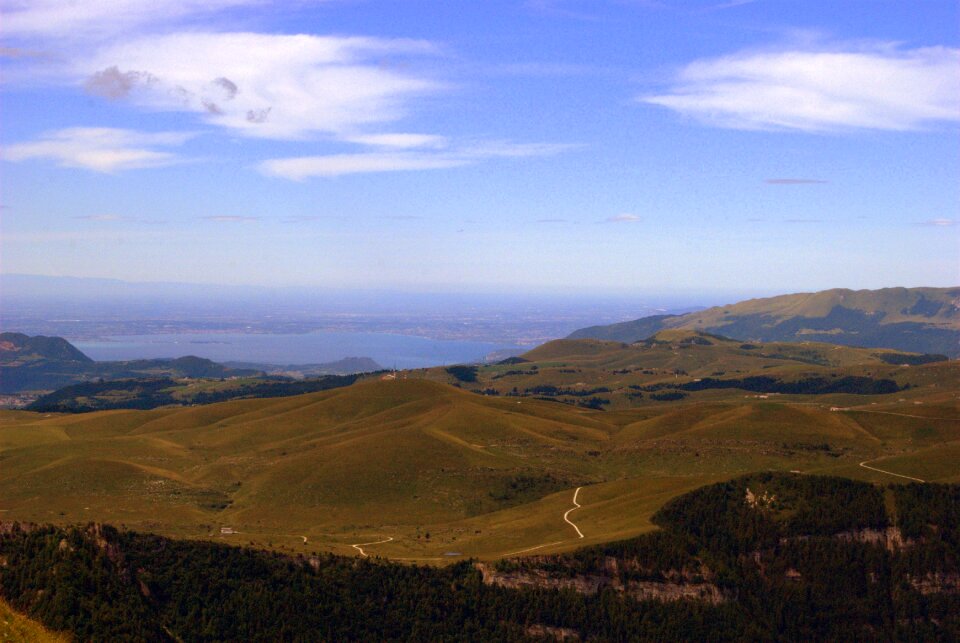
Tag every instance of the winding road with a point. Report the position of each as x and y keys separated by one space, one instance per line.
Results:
x=359 y=546
x=574 y=508
x=891 y=473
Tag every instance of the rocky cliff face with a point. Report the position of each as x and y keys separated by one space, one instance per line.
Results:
x=677 y=586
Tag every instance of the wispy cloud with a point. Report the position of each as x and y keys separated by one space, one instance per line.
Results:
x=332 y=165
x=881 y=87
x=303 y=167
x=794 y=181
x=101 y=18
x=941 y=223
x=229 y=218
x=114 y=84
x=265 y=85
x=626 y=217
x=100 y=149
x=399 y=140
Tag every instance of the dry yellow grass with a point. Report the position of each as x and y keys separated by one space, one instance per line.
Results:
x=482 y=475
x=17 y=628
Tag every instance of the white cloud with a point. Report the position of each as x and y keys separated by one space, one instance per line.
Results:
x=100 y=18
x=263 y=85
x=100 y=149
x=399 y=140
x=882 y=87
x=299 y=168
x=623 y=218
x=941 y=223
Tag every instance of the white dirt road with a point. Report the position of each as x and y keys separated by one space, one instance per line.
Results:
x=889 y=473
x=574 y=508
x=359 y=546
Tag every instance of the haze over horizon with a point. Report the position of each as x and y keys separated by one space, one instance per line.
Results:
x=523 y=146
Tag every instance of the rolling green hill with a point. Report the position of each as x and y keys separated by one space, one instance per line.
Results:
x=419 y=466
x=690 y=365
x=923 y=320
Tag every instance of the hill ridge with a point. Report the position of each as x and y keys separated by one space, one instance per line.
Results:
x=922 y=320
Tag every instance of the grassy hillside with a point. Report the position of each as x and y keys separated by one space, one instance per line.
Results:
x=693 y=366
x=768 y=556
x=17 y=628
x=925 y=320
x=416 y=468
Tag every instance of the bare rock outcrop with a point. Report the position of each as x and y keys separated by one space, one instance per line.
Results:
x=676 y=588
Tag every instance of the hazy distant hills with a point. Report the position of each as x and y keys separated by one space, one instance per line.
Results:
x=17 y=348
x=46 y=363
x=345 y=366
x=923 y=320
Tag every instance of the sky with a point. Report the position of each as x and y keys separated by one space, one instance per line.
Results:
x=603 y=146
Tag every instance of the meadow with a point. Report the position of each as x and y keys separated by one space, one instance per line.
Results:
x=424 y=466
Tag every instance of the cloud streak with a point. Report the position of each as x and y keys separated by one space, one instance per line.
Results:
x=104 y=217
x=274 y=86
x=333 y=165
x=626 y=217
x=100 y=149
x=102 y=18
x=882 y=87
x=303 y=167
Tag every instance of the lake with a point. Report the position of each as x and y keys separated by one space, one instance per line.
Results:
x=388 y=350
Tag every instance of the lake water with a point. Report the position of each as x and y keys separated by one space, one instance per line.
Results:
x=400 y=351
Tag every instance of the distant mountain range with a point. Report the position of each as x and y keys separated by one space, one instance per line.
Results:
x=922 y=320
x=48 y=363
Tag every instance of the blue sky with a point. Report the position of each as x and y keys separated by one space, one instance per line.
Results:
x=534 y=145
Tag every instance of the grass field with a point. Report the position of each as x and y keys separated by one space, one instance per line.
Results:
x=17 y=628
x=445 y=473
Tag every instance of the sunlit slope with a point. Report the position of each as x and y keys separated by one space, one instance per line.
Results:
x=910 y=319
x=617 y=376
x=695 y=350
x=401 y=450
x=482 y=475
x=17 y=628
x=894 y=305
